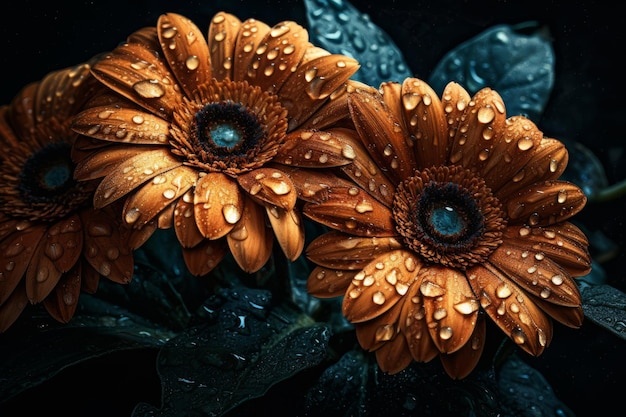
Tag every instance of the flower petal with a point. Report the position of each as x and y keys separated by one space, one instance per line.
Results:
x=42 y=275
x=222 y=36
x=328 y=283
x=250 y=34
x=374 y=333
x=133 y=172
x=137 y=73
x=185 y=226
x=62 y=302
x=450 y=307
x=335 y=250
x=364 y=171
x=217 y=205
x=122 y=125
x=548 y=163
x=280 y=51
x=352 y=210
x=380 y=285
x=250 y=241
x=563 y=242
x=314 y=83
x=271 y=186
x=394 y=356
x=512 y=146
x=379 y=130
x=155 y=195
x=106 y=248
x=538 y=275
x=202 y=258
x=414 y=327
x=103 y=162
x=185 y=50
x=288 y=229
x=511 y=309
x=16 y=252
x=569 y=316
x=64 y=242
x=461 y=363
x=317 y=149
x=545 y=203
x=474 y=142
x=425 y=120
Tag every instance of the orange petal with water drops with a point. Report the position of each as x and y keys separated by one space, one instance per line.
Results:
x=185 y=226
x=133 y=172
x=511 y=309
x=376 y=332
x=249 y=35
x=425 y=120
x=563 y=242
x=157 y=194
x=569 y=316
x=478 y=133
x=221 y=38
x=250 y=241
x=62 y=302
x=414 y=327
x=64 y=242
x=545 y=203
x=380 y=131
x=185 y=50
x=328 y=283
x=202 y=258
x=217 y=205
x=288 y=229
x=12 y=307
x=314 y=85
x=536 y=274
x=42 y=275
x=394 y=356
x=336 y=250
x=512 y=145
x=450 y=307
x=16 y=252
x=106 y=248
x=352 y=210
x=134 y=71
x=105 y=161
x=276 y=57
x=122 y=125
x=548 y=162
x=317 y=149
x=380 y=285
x=460 y=364
x=271 y=186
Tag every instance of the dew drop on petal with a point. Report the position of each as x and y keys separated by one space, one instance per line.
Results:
x=231 y=213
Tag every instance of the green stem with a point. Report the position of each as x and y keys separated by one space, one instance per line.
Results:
x=609 y=193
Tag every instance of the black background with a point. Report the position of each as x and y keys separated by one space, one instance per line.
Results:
x=585 y=367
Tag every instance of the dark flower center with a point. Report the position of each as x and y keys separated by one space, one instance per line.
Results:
x=448 y=213
x=44 y=189
x=449 y=216
x=229 y=127
x=47 y=174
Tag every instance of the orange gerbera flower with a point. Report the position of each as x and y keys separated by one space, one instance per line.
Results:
x=53 y=244
x=195 y=132
x=452 y=211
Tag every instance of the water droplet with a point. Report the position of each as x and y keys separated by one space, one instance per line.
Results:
x=149 y=89
x=231 y=213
